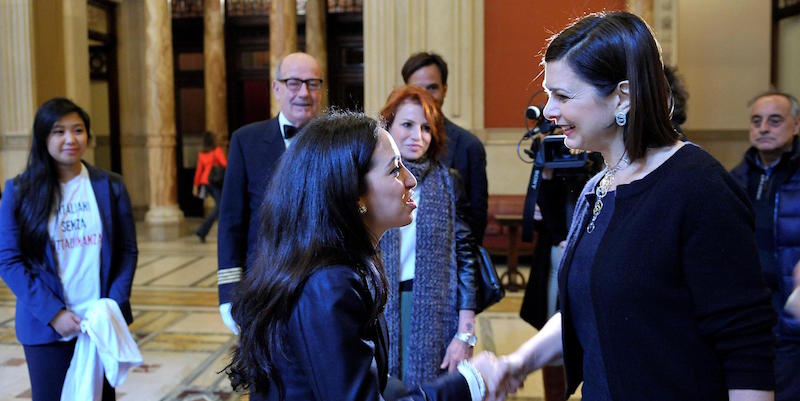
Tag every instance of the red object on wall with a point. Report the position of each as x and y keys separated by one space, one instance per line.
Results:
x=515 y=35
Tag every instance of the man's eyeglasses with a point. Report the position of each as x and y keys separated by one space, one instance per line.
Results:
x=294 y=84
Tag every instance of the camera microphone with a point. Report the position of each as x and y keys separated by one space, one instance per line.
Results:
x=544 y=127
x=533 y=113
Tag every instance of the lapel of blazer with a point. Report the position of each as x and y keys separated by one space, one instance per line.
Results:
x=102 y=194
x=273 y=135
x=274 y=146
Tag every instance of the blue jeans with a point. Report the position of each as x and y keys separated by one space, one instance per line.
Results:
x=47 y=368
x=215 y=193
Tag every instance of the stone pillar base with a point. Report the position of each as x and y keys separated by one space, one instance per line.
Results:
x=164 y=223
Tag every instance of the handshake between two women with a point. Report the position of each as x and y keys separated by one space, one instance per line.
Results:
x=506 y=374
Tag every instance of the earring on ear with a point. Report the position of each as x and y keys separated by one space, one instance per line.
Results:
x=362 y=209
x=621 y=118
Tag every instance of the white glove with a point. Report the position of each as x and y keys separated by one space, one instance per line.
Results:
x=225 y=312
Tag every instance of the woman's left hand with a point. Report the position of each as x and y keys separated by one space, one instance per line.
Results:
x=456 y=352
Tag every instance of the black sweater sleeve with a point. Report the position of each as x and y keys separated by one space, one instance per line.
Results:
x=721 y=266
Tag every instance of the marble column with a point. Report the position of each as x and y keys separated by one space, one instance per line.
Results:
x=282 y=39
x=160 y=116
x=451 y=28
x=16 y=86
x=317 y=40
x=214 y=71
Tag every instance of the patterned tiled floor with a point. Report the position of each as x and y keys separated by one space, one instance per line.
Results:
x=183 y=340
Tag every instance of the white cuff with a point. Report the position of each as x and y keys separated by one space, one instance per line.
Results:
x=477 y=388
x=227 y=318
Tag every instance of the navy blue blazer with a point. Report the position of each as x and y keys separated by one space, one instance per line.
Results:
x=335 y=351
x=252 y=157
x=466 y=154
x=40 y=295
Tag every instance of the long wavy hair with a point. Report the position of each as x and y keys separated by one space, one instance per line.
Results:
x=605 y=49
x=431 y=110
x=37 y=186
x=309 y=219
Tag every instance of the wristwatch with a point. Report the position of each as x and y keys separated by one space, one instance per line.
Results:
x=468 y=338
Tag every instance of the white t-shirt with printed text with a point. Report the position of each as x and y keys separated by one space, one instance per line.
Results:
x=76 y=234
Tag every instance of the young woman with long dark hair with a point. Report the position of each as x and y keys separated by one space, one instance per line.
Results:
x=69 y=239
x=311 y=306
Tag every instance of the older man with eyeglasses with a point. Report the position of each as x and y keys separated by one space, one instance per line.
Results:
x=770 y=173
x=253 y=155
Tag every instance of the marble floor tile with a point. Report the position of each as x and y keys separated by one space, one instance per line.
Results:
x=163 y=375
x=13 y=375
x=6 y=314
x=161 y=267
x=207 y=323
x=190 y=273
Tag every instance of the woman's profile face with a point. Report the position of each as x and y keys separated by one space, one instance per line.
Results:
x=389 y=188
x=411 y=130
x=585 y=117
x=67 y=140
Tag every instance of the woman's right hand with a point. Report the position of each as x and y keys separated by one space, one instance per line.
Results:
x=195 y=190
x=66 y=323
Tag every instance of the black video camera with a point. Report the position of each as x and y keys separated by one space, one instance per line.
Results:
x=558 y=156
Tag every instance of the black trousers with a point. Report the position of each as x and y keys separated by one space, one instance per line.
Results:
x=47 y=368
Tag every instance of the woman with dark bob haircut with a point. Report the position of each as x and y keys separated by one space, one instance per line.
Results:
x=660 y=289
x=311 y=308
x=68 y=240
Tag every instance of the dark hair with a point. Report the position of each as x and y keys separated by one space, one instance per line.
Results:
x=432 y=113
x=37 y=186
x=679 y=94
x=424 y=59
x=607 y=48
x=309 y=219
x=774 y=92
x=209 y=142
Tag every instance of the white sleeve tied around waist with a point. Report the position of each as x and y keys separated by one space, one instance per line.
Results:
x=105 y=344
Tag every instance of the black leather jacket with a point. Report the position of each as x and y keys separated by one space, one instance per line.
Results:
x=466 y=248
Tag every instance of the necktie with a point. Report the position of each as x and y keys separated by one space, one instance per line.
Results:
x=289 y=131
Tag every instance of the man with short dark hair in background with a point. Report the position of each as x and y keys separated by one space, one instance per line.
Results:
x=465 y=152
x=770 y=173
x=253 y=155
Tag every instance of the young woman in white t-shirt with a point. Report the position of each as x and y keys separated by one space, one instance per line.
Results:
x=69 y=239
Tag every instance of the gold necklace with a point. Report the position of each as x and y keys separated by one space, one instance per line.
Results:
x=604 y=185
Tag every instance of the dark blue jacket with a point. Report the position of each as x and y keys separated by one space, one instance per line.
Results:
x=466 y=154
x=681 y=310
x=252 y=157
x=786 y=228
x=40 y=295
x=335 y=351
